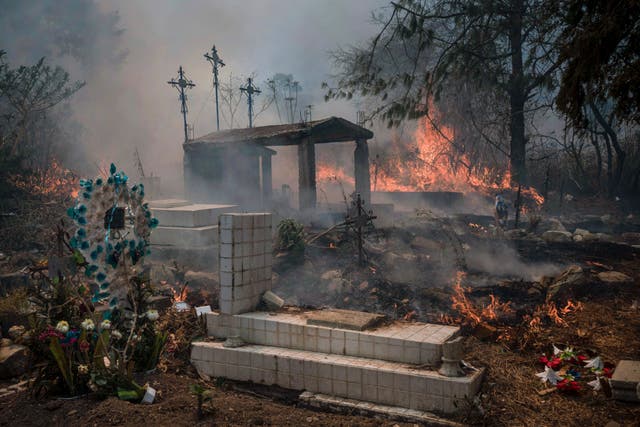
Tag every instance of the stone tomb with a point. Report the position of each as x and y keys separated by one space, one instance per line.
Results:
x=394 y=364
x=187 y=232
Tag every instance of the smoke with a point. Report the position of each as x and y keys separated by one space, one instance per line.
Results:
x=126 y=51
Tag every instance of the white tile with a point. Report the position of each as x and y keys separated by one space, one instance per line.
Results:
x=325 y=371
x=339 y=372
x=226 y=221
x=354 y=390
x=226 y=250
x=324 y=385
x=339 y=388
x=226 y=278
x=226 y=236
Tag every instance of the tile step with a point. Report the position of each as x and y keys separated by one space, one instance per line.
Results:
x=376 y=381
x=403 y=342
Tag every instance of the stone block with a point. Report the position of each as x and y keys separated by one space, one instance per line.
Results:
x=625 y=381
x=192 y=215
x=185 y=237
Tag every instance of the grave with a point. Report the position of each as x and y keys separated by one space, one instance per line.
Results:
x=325 y=352
x=625 y=381
x=188 y=232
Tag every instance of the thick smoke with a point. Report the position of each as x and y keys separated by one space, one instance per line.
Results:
x=126 y=51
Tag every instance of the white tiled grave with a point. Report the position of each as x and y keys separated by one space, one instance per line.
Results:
x=394 y=364
x=187 y=232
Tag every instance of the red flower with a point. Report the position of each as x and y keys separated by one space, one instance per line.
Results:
x=607 y=372
x=553 y=363
x=578 y=360
x=84 y=345
x=568 y=385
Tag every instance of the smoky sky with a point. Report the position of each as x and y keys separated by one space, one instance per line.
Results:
x=127 y=103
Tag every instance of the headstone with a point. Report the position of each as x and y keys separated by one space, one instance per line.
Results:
x=625 y=381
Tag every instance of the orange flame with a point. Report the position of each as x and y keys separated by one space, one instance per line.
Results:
x=179 y=296
x=431 y=163
x=471 y=314
x=56 y=181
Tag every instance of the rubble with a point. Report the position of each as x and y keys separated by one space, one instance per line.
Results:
x=14 y=360
x=557 y=236
x=614 y=277
x=272 y=301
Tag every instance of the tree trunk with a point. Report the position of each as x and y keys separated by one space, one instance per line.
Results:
x=517 y=97
x=614 y=178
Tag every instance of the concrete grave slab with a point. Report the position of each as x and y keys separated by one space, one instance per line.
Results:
x=625 y=381
x=192 y=215
x=168 y=203
x=344 y=319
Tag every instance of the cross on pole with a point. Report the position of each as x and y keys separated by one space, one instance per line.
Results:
x=216 y=62
x=181 y=84
x=250 y=90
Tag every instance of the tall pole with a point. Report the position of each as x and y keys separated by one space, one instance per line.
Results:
x=250 y=90
x=216 y=62
x=181 y=84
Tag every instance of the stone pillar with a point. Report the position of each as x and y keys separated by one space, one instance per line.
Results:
x=361 y=164
x=187 y=174
x=245 y=259
x=267 y=184
x=307 y=174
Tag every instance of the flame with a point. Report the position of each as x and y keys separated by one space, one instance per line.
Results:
x=179 y=296
x=550 y=310
x=431 y=163
x=471 y=314
x=56 y=181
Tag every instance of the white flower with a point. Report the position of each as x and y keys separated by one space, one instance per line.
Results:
x=88 y=325
x=106 y=324
x=595 y=384
x=116 y=334
x=595 y=363
x=152 y=315
x=549 y=375
x=83 y=369
x=556 y=350
x=62 y=326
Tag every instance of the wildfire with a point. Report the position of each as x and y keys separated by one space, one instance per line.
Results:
x=550 y=310
x=471 y=314
x=56 y=181
x=326 y=173
x=431 y=163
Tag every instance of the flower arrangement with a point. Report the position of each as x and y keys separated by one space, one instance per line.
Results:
x=569 y=371
x=98 y=350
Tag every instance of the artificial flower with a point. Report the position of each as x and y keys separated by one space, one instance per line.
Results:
x=554 y=363
x=84 y=345
x=595 y=384
x=566 y=354
x=152 y=315
x=106 y=324
x=62 y=326
x=595 y=364
x=568 y=385
x=116 y=334
x=88 y=325
x=549 y=375
x=83 y=369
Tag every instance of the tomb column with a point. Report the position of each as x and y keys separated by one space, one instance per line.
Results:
x=266 y=177
x=361 y=165
x=307 y=174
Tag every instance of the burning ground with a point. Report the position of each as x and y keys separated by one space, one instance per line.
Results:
x=515 y=295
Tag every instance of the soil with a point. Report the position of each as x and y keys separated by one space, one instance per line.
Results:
x=175 y=406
